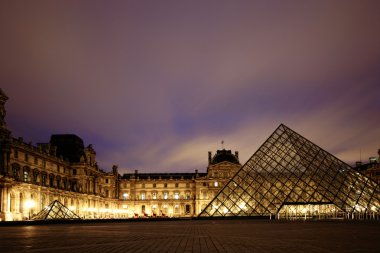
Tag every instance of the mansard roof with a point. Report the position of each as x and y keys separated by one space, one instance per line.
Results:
x=69 y=146
x=224 y=156
x=162 y=175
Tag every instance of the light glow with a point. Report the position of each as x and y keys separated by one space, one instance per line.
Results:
x=29 y=204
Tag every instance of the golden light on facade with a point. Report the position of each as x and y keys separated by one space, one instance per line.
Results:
x=29 y=204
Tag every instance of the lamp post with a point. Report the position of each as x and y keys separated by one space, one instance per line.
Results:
x=29 y=204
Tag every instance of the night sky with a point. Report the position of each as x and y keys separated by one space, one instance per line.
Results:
x=155 y=85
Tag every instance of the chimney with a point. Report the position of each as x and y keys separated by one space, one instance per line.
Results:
x=114 y=169
x=237 y=155
x=136 y=172
x=196 y=173
x=209 y=157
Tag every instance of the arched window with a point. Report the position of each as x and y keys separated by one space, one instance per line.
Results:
x=51 y=180
x=12 y=202
x=187 y=209
x=43 y=179
x=21 y=203
x=25 y=177
x=64 y=183
x=35 y=176
x=16 y=171
x=58 y=182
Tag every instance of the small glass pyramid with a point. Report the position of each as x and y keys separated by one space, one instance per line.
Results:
x=55 y=211
x=290 y=176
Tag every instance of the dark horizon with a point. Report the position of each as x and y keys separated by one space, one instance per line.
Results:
x=155 y=85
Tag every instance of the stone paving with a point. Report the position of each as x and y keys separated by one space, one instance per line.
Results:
x=194 y=236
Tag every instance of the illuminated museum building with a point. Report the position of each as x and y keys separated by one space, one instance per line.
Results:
x=287 y=177
x=32 y=177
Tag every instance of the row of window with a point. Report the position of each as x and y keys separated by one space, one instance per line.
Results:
x=165 y=185
x=155 y=196
x=225 y=174
x=42 y=178
x=36 y=161
x=165 y=209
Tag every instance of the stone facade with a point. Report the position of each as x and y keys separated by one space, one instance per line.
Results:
x=33 y=176
x=370 y=169
x=176 y=194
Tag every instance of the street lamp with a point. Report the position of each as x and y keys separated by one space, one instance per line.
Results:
x=29 y=204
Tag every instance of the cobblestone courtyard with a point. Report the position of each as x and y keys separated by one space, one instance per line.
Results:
x=194 y=236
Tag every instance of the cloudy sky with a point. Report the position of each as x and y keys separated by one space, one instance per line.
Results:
x=155 y=85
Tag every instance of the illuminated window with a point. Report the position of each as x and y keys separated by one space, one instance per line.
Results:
x=187 y=195
x=176 y=208
x=125 y=196
x=143 y=195
x=165 y=206
x=15 y=170
x=154 y=195
x=125 y=206
x=165 y=195
x=154 y=206
x=216 y=184
x=176 y=195
x=26 y=176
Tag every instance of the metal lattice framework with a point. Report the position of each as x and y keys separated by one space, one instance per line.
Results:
x=289 y=174
x=55 y=211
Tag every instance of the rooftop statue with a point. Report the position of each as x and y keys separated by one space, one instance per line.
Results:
x=3 y=99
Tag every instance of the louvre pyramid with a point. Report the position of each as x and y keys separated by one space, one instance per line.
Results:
x=287 y=174
x=55 y=211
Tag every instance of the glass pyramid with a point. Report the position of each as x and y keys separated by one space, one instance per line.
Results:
x=55 y=211
x=292 y=177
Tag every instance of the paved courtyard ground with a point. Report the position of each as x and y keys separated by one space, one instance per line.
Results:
x=194 y=236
